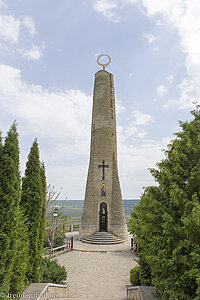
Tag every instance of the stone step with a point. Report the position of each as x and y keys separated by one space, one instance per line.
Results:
x=103 y=234
x=102 y=238
x=102 y=242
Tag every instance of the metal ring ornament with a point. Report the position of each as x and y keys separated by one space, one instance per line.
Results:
x=103 y=65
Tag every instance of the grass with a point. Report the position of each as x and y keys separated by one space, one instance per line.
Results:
x=75 y=214
x=46 y=251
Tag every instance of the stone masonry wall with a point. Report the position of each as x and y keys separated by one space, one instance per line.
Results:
x=103 y=148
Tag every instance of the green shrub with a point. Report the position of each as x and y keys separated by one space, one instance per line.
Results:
x=145 y=270
x=47 y=239
x=52 y=272
x=166 y=221
x=58 y=238
x=135 y=276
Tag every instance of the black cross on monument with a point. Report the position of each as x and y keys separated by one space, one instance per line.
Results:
x=103 y=166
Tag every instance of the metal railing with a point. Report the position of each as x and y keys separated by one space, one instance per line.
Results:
x=67 y=246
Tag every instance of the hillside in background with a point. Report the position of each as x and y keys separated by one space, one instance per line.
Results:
x=74 y=208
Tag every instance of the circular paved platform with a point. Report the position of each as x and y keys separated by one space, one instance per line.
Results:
x=98 y=272
x=78 y=245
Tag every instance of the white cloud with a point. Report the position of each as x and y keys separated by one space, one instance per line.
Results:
x=60 y=50
x=167 y=8
x=156 y=49
x=5 y=49
x=133 y=132
x=2 y=4
x=107 y=8
x=56 y=115
x=141 y=118
x=42 y=111
x=119 y=108
x=150 y=37
x=110 y=8
x=33 y=54
x=135 y=159
x=9 y=28
x=70 y=177
x=61 y=117
x=29 y=23
x=184 y=16
x=15 y=34
x=170 y=78
x=186 y=99
x=161 y=90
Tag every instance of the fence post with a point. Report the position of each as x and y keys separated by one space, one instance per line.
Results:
x=72 y=242
x=131 y=243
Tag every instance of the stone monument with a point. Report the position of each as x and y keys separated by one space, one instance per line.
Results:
x=103 y=216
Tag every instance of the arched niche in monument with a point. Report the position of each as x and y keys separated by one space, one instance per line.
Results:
x=103 y=217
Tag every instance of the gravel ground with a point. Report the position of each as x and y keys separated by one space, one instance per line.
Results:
x=98 y=272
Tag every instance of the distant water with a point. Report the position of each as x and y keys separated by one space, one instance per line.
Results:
x=128 y=204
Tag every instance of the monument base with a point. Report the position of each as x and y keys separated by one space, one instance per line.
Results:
x=103 y=238
x=86 y=230
x=118 y=230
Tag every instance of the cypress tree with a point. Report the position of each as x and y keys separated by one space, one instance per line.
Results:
x=10 y=192
x=18 y=278
x=167 y=219
x=1 y=145
x=32 y=201
x=43 y=209
x=4 y=239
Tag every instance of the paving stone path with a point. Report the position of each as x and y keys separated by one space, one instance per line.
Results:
x=98 y=272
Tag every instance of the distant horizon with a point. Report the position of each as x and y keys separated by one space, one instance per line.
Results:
x=131 y=199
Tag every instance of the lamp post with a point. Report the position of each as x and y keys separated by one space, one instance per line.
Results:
x=55 y=214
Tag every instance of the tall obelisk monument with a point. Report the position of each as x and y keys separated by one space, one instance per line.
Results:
x=103 y=209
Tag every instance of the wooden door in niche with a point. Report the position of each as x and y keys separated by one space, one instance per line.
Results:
x=103 y=217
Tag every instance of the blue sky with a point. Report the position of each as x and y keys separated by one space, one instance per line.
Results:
x=48 y=52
